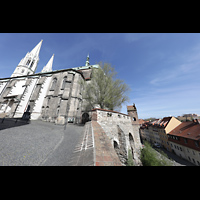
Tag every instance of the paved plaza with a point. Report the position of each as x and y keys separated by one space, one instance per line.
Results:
x=37 y=143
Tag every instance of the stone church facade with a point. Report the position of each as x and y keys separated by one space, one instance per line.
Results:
x=53 y=96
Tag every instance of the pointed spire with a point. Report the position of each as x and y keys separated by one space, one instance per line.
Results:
x=36 y=50
x=87 y=61
x=48 y=67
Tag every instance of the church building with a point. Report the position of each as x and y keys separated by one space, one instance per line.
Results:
x=53 y=96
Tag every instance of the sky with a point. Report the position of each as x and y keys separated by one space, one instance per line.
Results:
x=162 y=69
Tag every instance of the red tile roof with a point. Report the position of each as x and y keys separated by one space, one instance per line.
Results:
x=189 y=130
x=161 y=122
x=130 y=108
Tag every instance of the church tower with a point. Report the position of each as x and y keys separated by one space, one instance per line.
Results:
x=28 y=64
x=87 y=63
x=48 y=67
x=132 y=112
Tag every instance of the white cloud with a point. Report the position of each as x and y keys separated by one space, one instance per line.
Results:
x=187 y=69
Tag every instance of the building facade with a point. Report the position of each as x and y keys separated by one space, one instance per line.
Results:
x=54 y=96
x=156 y=132
x=185 y=141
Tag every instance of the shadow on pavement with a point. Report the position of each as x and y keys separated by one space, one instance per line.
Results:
x=12 y=122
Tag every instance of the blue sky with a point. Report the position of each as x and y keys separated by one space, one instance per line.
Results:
x=162 y=69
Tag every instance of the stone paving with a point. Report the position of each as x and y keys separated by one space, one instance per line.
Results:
x=37 y=143
x=94 y=148
x=41 y=143
x=83 y=154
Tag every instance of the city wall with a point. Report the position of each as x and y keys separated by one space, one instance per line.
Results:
x=123 y=136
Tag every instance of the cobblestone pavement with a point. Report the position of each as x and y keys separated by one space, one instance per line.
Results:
x=37 y=143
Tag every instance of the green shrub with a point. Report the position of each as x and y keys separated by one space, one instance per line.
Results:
x=130 y=159
x=149 y=157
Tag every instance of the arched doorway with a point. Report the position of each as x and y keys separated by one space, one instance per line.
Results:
x=85 y=118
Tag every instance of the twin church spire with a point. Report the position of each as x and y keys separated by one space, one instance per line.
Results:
x=28 y=64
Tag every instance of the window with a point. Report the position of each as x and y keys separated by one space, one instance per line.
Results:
x=32 y=64
x=109 y=114
x=185 y=140
x=134 y=119
x=53 y=84
x=64 y=83
x=22 y=71
x=196 y=143
x=28 y=62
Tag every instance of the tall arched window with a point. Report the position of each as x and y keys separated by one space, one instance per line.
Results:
x=28 y=62
x=64 y=83
x=53 y=86
x=32 y=64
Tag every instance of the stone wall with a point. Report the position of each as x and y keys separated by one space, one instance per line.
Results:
x=122 y=134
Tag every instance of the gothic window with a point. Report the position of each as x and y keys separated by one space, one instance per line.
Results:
x=32 y=64
x=28 y=62
x=53 y=86
x=64 y=83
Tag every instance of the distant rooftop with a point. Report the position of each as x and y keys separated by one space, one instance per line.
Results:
x=189 y=129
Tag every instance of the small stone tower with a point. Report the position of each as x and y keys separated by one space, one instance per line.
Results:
x=87 y=63
x=132 y=112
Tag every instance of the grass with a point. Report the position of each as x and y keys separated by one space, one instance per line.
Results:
x=130 y=159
